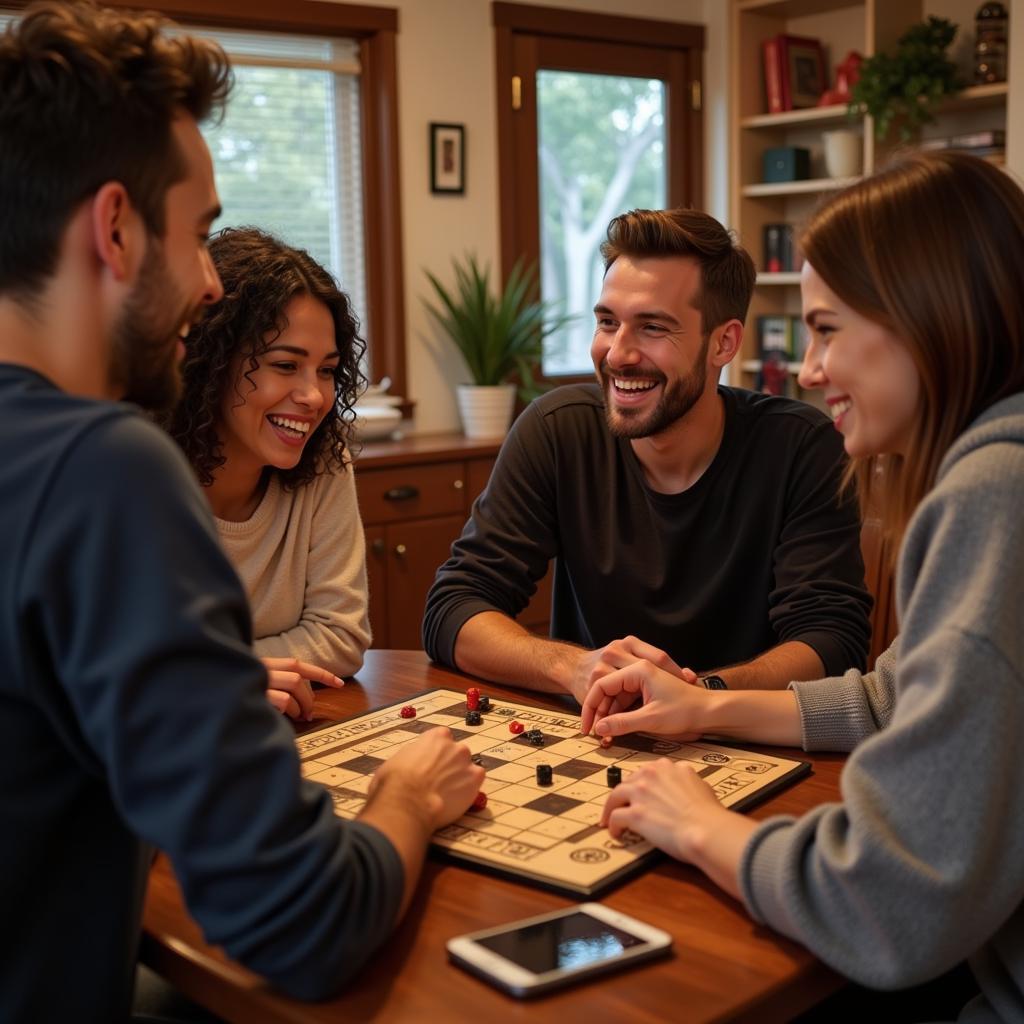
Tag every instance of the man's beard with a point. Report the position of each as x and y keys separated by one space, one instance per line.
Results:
x=144 y=362
x=676 y=399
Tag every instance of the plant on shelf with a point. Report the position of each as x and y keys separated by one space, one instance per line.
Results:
x=910 y=83
x=499 y=336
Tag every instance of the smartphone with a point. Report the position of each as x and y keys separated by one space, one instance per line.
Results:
x=526 y=958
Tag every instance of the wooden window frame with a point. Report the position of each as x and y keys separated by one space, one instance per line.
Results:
x=376 y=29
x=685 y=120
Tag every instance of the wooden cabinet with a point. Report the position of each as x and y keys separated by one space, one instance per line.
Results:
x=868 y=26
x=415 y=496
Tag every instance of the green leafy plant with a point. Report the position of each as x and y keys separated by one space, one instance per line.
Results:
x=499 y=336
x=910 y=83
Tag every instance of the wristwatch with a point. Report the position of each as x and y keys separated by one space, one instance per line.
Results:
x=714 y=683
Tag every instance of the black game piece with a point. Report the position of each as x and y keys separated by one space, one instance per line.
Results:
x=472 y=718
x=614 y=775
x=543 y=775
x=484 y=703
x=537 y=739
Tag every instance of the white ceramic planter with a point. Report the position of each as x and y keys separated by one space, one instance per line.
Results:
x=486 y=410
x=843 y=158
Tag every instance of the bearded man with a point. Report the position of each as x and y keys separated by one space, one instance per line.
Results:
x=692 y=525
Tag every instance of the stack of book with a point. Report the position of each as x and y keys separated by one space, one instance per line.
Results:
x=988 y=143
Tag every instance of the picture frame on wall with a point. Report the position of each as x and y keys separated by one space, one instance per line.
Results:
x=447 y=158
x=802 y=65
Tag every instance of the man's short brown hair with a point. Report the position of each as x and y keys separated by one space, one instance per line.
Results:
x=87 y=96
x=726 y=270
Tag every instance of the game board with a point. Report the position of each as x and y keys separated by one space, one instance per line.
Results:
x=544 y=835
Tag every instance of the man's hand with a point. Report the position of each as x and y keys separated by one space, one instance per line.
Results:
x=619 y=654
x=288 y=685
x=668 y=804
x=668 y=707
x=436 y=773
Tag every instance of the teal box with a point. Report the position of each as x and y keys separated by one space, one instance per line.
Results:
x=787 y=163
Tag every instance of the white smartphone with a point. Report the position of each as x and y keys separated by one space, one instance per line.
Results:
x=528 y=957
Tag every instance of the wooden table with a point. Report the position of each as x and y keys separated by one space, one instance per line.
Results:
x=723 y=968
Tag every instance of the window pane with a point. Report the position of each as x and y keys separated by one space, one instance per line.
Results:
x=602 y=152
x=278 y=164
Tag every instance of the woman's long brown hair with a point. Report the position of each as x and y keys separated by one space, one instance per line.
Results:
x=931 y=248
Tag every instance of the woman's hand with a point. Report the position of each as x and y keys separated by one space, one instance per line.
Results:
x=288 y=685
x=671 y=704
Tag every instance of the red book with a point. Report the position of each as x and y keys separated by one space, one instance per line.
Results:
x=771 y=51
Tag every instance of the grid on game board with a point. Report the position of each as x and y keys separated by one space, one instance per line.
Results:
x=517 y=822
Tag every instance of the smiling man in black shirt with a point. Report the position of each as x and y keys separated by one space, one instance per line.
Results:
x=693 y=525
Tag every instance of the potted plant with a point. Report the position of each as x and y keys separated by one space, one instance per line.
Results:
x=500 y=338
x=909 y=83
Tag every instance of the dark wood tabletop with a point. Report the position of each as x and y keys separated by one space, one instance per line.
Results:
x=724 y=967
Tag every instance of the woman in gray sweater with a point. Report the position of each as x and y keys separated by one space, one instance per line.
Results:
x=915 y=309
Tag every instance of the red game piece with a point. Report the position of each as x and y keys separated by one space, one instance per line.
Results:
x=408 y=711
x=472 y=698
x=480 y=800
x=516 y=727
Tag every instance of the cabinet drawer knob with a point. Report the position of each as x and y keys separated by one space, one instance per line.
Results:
x=399 y=550
x=458 y=485
x=404 y=493
x=378 y=546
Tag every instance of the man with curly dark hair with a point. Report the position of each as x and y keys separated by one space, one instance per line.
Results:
x=271 y=375
x=132 y=709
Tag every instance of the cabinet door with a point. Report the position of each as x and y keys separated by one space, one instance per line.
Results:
x=414 y=552
x=377 y=581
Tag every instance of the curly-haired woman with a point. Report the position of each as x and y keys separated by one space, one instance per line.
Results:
x=269 y=381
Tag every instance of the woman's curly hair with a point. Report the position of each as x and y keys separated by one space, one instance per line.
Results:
x=261 y=275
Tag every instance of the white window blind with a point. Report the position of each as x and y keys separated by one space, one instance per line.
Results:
x=287 y=154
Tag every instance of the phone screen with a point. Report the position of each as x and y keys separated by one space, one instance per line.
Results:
x=576 y=940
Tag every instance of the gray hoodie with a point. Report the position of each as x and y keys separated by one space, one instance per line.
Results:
x=922 y=865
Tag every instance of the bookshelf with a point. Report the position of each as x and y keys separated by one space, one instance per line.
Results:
x=866 y=26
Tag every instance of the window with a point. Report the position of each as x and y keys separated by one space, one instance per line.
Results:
x=595 y=117
x=287 y=152
x=316 y=99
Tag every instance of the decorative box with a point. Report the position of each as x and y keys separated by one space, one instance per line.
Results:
x=787 y=163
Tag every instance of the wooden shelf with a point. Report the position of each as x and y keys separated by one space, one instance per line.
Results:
x=978 y=96
x=795 y=188
x=834 y=114
x=795 y=8
x=868 y=26
x=778 y=277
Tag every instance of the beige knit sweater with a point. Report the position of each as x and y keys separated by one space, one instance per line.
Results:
x=302 y=559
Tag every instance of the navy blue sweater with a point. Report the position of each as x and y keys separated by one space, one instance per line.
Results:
x=132 y=712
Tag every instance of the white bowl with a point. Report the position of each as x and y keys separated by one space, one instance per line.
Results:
x=375 y=422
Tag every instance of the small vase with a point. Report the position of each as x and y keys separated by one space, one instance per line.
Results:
x=842 y=153
x=486 y=409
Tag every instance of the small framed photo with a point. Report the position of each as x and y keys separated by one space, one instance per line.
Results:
x=447 y=158
x=803 y=71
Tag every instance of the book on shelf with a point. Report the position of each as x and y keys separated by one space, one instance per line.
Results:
x=774 y=377
x=775 y=336
x=799 y=336
x=979 y=140
x=779 y=254
x=984 y=143
x=771 y=55
x=782 y=335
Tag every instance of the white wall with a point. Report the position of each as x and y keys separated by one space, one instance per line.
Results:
x=446 y=73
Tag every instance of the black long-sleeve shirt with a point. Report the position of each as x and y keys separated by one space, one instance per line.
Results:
x=759 y=551
x=133 y=712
